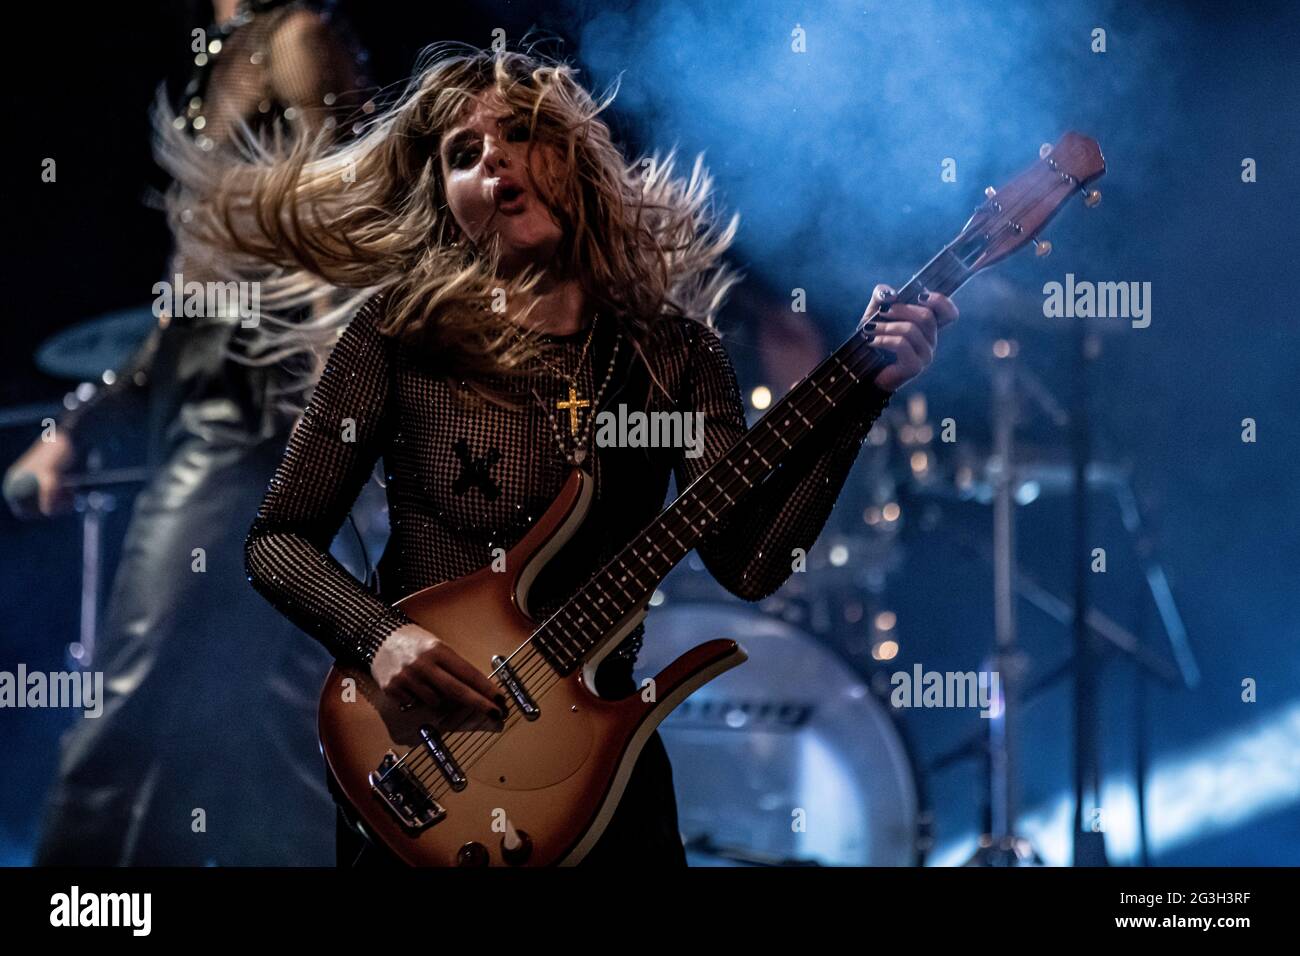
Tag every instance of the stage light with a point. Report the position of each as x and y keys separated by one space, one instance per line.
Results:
x=761 y=397
x=1190 y=796
x=1027 y=493
x=916 y=408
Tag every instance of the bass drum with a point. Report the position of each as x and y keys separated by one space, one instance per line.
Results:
x=787 y=759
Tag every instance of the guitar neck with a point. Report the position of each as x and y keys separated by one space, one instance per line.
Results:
x=625 y=584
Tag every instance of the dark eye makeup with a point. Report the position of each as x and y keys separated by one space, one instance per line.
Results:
x=463 y=148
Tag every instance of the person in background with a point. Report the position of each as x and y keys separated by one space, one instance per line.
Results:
x=206 y=751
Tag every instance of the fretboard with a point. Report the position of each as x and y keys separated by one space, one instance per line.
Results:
x=624 y=585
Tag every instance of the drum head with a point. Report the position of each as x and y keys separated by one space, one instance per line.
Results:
x=787 y=758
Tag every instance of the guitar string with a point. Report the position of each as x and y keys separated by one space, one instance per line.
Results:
x=528 y=670
x=531 y=668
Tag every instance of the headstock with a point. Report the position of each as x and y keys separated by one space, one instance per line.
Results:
x=1014 y=215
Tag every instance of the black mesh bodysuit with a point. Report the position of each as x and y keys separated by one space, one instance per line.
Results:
x=463 y=479
x=206 y=750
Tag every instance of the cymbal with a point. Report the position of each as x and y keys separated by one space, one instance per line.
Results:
x=84 y=351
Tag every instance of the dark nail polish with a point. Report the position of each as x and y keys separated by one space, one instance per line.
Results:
x=500 y=700
x=869 y=326
x=924 y=297
x=497 y=715
x=884 y=308
x=871 y=338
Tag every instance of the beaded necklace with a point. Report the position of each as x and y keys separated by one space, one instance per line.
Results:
x=574 y=451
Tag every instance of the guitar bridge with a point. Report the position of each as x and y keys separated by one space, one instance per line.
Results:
x=404 y=794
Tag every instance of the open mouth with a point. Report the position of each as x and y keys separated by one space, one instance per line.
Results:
x=510 y=199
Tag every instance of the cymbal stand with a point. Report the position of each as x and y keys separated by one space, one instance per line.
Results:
x=999 y=844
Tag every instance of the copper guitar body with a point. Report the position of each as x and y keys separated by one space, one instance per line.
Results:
x=534 y=792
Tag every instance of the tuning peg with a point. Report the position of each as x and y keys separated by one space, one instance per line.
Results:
x=1092 y=197
x=989 y=192
x=1042 y=248
x=1044 y=151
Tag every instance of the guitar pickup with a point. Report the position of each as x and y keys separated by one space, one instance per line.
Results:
x=404 y=794
x=515 y=687
x=443 y=758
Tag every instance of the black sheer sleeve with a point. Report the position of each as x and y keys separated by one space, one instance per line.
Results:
x=751 y=553
x=328 y=460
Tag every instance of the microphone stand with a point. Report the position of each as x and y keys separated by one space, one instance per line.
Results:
x=1090 y=842
x=999 y=844
x=94 y=503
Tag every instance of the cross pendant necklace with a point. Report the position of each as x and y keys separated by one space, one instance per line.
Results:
x=573 y=404
x=578 y=453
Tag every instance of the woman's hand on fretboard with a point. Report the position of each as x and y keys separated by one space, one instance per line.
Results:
x=908 y=332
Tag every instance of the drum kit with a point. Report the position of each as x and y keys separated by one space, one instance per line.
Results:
x=798 y=758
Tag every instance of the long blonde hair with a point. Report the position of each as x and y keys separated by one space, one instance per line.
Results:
x=327 y=224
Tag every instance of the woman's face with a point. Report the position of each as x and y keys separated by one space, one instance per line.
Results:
x=486 y=177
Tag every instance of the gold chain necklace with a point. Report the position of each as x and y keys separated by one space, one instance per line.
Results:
x=573 y=403
x=575 y=450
